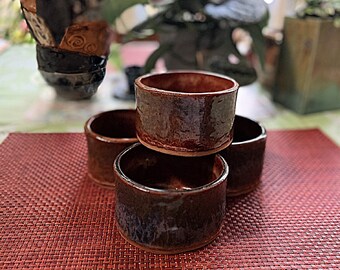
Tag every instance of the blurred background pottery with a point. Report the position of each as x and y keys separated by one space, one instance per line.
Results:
x=107 y=134
x=245 y=156
x=92 y=38
x=75 y=86
x=185 y=113
x=38 y=28
x=73 y=44
x=57 y=60
x=127 y=90
x=169 y=204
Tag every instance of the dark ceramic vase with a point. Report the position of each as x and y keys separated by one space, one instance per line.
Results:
x=72 y=44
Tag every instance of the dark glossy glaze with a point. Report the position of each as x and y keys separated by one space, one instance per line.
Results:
x=245 y=156
x=75 y=86
x=107 y=134
x=185 y=113
x=169 y=204
x=57 y=60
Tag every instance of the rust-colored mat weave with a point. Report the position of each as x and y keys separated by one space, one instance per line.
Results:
x=52 y=216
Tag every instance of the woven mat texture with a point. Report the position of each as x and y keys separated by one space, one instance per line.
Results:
x=53 y=216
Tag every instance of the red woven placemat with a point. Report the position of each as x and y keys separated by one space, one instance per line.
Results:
x=52 y=216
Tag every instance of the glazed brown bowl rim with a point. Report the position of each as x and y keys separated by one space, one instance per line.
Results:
x=260 y=137
x=90 y=132
x=142 y=86
x=135 y=185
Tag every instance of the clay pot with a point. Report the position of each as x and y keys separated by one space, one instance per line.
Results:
x=185 y=113
x=169 y=204
x=107 y=134
x=245 y=156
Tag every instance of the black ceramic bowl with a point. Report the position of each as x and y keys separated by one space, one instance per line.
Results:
x=75 y=86
x=245 y=156
x=55 y=60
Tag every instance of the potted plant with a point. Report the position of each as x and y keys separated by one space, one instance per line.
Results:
x=308 y=72
x=199 y=34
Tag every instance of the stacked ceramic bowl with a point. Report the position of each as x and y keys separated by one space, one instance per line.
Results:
x=72 y=44
x=171 y=159
x=171 y=187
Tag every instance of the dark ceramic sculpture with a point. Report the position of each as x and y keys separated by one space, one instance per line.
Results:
x=245 y=156
x=57 y=60
x=73 y=75
x=169 y=204
x=185 y=113
x=75 y=86
x=107 y=134
x=72 y=44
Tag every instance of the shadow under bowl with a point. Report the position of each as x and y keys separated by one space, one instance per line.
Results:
x=185 y=113
x=245 y=156
x=75 y=86
x=107 y=134
x=169 y=204
x=55 y=60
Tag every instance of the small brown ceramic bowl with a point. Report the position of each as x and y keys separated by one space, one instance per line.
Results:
x=169 y=204
x=107 y=134
x=245 y=156
x=185 y=113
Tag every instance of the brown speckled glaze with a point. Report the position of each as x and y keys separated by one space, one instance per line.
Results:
x=169 y=204
x=185 y=113
x=245 y=156
x=107 y=134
